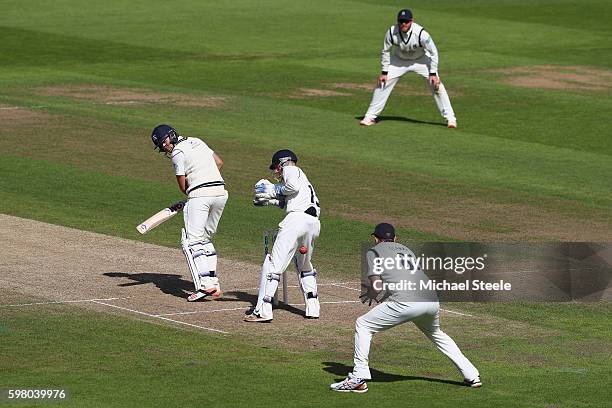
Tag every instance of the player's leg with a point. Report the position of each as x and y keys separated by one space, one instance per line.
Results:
x=283 y=250
x=380 y=95
x=429 y=324
x=307 y=274
x=215 y=210
x=217 y=205
x=265 y=270
x=440 y=95
x=382 y=317
x=199 y=251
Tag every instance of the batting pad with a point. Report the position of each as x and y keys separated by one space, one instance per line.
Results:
x=308 y=283
x=190 y=261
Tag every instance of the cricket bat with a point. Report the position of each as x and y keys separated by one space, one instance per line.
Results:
x=162 y=216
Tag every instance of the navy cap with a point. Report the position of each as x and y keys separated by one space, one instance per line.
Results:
x=384 y=231
x=404 y=14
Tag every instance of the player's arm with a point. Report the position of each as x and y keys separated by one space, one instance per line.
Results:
x=218 y=160
x=178 y=161
x=385 y=58
x=182 y=183
x=291 y=182
x=374 y=286
x=432 y=51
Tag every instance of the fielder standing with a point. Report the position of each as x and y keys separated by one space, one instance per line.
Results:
x=197 y=170
x=413 y=51
x=299 y=228
x=418 y=306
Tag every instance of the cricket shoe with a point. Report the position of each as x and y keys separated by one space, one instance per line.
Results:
x=452 y=124
x=203 y=294
x=255 y=318
x=367 y=122
x=350 y=384
x=475 y=383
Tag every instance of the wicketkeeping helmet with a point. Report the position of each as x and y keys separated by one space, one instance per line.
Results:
x=161 y=132
x=281 y=157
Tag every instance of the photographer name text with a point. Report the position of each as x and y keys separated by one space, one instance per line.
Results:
x=444 y=285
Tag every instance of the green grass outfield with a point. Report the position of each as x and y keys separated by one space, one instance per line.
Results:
x=559 y=357
x=525 y=163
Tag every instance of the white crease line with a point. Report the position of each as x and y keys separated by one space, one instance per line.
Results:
x=240 y=289
x=459 y=313
x=244 y=308
x=121 y=103
x=345 y=287
x=160 y=317
x=201 y=311
x=446 y=310
x=345 y=283
x=59 y=302
x=24 y=107
x=328 y=303
x=297 y=286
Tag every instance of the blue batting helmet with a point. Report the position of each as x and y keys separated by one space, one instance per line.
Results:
x=161 y=132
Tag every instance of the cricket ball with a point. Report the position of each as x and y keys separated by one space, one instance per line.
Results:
x=303 y=250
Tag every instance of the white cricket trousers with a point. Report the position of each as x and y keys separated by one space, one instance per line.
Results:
x=201 y=216
x=296 y=230
x=425 y=315
x=399 y=68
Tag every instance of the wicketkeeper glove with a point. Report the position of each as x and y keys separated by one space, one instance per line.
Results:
x=266 y=189
x=262 y=202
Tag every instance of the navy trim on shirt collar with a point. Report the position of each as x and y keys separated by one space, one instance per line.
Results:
x=399 y=31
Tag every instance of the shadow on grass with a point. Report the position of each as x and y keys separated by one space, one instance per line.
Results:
x=380 y=376
x=404 y=119
x=176 y=286
x=168 y=284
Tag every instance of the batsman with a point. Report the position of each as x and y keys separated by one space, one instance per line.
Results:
x=197 y=170
x=299 y=229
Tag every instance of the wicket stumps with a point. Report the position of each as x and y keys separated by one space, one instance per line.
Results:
x=269 y=236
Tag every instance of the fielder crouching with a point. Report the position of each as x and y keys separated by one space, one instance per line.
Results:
x=400 y=306
x=299 y=228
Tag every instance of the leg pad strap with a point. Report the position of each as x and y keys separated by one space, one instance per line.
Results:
x=303 y=274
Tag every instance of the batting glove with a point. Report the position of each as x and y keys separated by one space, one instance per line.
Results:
x=178 y=206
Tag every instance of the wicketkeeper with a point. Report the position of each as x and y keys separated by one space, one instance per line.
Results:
x=400 y=305
x=197 y=170
x=299 y=228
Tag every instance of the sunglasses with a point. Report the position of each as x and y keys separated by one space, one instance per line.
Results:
x=404 y=21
